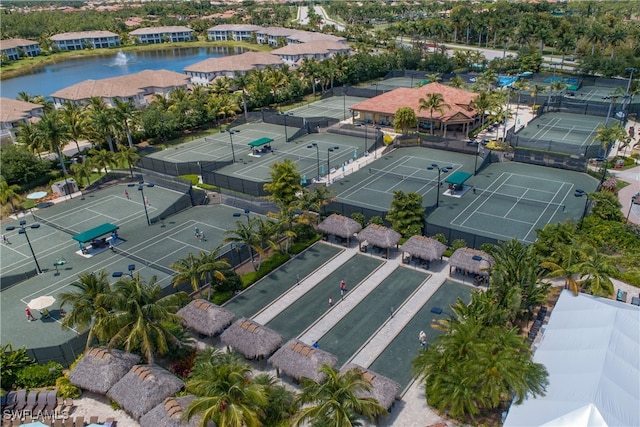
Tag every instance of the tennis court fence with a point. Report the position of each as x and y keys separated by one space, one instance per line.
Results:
x=552 y=159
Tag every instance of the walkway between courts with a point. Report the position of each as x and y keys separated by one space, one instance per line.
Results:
x=276 y=307
x=351 y=299
x=370 y=351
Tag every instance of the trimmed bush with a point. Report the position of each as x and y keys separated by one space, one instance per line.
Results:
x=36 y=376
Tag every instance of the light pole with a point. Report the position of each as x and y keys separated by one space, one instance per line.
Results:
x=611 y=99
x=364 y=125
x=635 y=198
x=329 y=151
x=375 y=143
x=506 y=116
x=344 y=105
x=286 y=137
x=231 y=133
x=245 y=213
x=141 y=185
x=553 y=80
x=631 y=70
x=444 y=169
x=131 y=268
x=475 y=165
x=315 y=145
x=22 y=230
x=582 y=193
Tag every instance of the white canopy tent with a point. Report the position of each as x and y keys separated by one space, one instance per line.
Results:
x=591 y=349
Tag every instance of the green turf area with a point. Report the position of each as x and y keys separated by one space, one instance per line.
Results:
x=307 y=309
x=395 y=361
x=277 y=283
x=354 y=329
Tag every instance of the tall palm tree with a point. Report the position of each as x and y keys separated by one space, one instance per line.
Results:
x=103 y=125
x=247 y=234
x=482 y=104
x=82 y=169
x=224 y=392
x=535 y=91
x=74 y=118
x=87 y=311
x=188 y=270
x=127 y=156
x=335 y=400
x=102 y=159
x=433 y=102
x=52 y=131
x=125 y=113
x=211 y=268
x=140 y=317
x=596 y=271
x=241 y=82
x=565 y=263
x=27 y=136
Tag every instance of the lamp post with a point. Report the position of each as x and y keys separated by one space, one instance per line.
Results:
x=635 y=198
x=315 y=145
x=475 y=165
x=22 y=230
x=141 y=185
x=375 y=143
x=553 y=80
x=631 y=70
x=131 y=268
x=245 y=213
x=231 y=133
x=412 y=74
x=445 y=169
x=344 y=104
x=329 y=151
x=286 y=137
x=582 y=193
x=364 y=125
x=506 y=116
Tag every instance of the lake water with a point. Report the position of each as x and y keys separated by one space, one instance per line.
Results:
x=51 y=78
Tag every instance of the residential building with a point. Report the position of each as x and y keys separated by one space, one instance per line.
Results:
x=154 y=35
x=12 y=113
x=237 y=32
x=17 y=48
x=135 y=88
x=85 y=40
x=274 y=36
x=320 y=50
x=458 y=116
x=204 y=72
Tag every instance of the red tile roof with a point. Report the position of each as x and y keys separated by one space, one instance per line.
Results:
x=389 y=102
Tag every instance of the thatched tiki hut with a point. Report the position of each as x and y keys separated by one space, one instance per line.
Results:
x=101 y=368
x=297 y=360
x=170 y=413
x=251 y=339
x=379 y=236
x=383 y=389
x=340 y=226
x=472 y=261
x=205 y=318
x=424 y=248
x=144 y=387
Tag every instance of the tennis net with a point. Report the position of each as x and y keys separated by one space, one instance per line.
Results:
x=145 y=262
x=518 y=199
x=401 y=177
x=54 y=225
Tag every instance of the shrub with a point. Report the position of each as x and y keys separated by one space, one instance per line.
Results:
x=11 y=362
x=66 y=389
x=192 y=178
x=458 y=244
x=35 y=376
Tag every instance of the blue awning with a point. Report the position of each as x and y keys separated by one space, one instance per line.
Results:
x=94 y=233
x=260 y=142
x=458 y=178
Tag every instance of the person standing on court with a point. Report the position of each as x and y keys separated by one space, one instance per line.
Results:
x=126 y=194
x=330 y=302
x=5 y=240
x=30 y=317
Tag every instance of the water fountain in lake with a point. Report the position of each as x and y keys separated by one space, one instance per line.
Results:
x=121 y=59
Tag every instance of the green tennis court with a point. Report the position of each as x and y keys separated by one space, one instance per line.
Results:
x=278 y=282
x=395 y=361
x=357 y=327
x=394 y=83
x=336 y=107
x=307 y=309
x=564 y=128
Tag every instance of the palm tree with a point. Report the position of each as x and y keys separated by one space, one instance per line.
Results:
x=189 y=270
x=433 y=102
x=457 y=82
x=127 y=156
x=246 y=234
x=87 y=311
x=102 y=159
x=335 y=401
x=53 y=134
x=102 y=122
x=535 y=91
x=83 y=169
x=565 y=262
x=141 y=317
x=27 y=136
x=482 y=104
x=125 y=113
x=596 y=271
x=9 y=194
x=241 y=82
x=211 y=268
x=224 y=392
x=74 y=118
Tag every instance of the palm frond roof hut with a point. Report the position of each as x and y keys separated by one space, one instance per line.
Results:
x=380 y=236
x=472 y=261
x=205 y=318
x=251 y=339
x=383 y=389
x=297 y=360
x=143 y=388
x=170 y=413
x=423 y=247
x=340 y=225
x=101 y=368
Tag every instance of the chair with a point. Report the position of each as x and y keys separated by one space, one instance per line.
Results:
x=67 y=422
x=32 y=400
x=42 y=402
x=52 y=401
x=21 y=400
x=93 y=420
x=57 y=423
x=79 y=421
x=10 y=401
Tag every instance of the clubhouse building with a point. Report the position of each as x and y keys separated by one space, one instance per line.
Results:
x=458 y=116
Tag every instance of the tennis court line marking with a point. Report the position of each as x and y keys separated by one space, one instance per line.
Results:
x=555 y=211
x=348 y=193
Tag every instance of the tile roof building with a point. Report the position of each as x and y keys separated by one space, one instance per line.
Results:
x=154 y=35
x=84 y=40
x=459 y=115
x=274 y=36
x=16 y=48
x=12 y=113
x=320 y=50
x=131 y=87
x=204 y=72
x=237 y=32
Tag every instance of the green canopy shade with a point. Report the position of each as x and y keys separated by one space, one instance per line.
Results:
x=94 y=233
x=260 y=142
x=458 y=178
